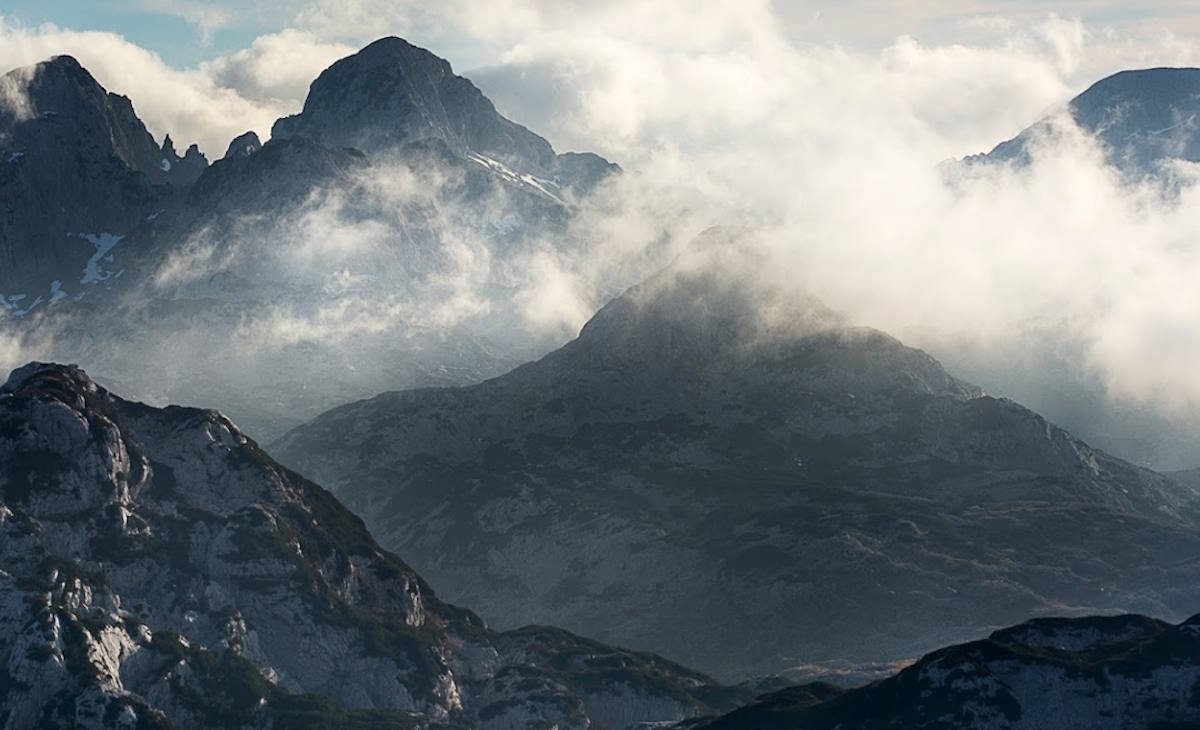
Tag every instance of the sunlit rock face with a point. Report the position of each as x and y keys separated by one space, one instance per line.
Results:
x=794 y=490
x=160 y=570
x=1116 y=672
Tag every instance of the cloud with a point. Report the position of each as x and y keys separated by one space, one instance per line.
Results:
x=1043 y=283
x=209 y=104
x=206 y=17
x=276 y=69
x=14 y=97
x=1059 y=284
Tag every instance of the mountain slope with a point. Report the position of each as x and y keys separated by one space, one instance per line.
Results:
x=1119 y=672
x=689 y=466
x=160 y=570
x=1143 y=118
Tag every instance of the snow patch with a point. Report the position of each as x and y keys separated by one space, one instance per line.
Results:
x=13 y=304
x=541 y=185
x=93 y=273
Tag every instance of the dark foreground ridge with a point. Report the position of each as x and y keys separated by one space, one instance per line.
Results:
x=1101 y=673
x=160 y=570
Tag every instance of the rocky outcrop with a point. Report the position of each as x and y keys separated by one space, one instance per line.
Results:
x=714 y=459
x=159 y=570
x=243 y=146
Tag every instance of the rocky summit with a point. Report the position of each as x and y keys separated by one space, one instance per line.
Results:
x=160 y=571
x=714 y=460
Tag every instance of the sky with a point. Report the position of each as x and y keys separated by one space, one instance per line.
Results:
x=266 y=52
x=817 y=126
x=185 y=33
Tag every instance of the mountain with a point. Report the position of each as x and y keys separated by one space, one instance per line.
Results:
x=711 y=459
x=379 y=239
x=1144 y=119
x=160 y=570
x=392 y=93
x=1118 y=672
x=77 y=169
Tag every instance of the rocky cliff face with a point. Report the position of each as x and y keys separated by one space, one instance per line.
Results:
x=688 y=467
x=159 y=570
x=1118 y=672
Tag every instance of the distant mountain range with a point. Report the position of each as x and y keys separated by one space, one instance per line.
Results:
x=1100 y=673
x=342 y=239
x=1144 y=119
x=792 y=489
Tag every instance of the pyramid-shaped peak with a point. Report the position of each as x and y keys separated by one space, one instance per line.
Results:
x=394 y=48
x=393 y=93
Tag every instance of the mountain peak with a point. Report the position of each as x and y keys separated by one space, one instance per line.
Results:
x=58 y=107
x=393 y=93
x=1142 y=117
x=705 y=307
x=65 y=62
x=394 y=48
x=243 y=145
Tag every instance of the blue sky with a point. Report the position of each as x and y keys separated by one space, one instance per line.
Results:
x=171 y=36
x=600 y=74
x=185 y=32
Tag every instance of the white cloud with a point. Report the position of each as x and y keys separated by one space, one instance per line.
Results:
x=14 y=99
x=206 y=17
x=276 y=69
x=744 y=115
x=209 y=104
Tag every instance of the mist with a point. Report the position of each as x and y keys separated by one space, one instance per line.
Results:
x=1059 y=284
